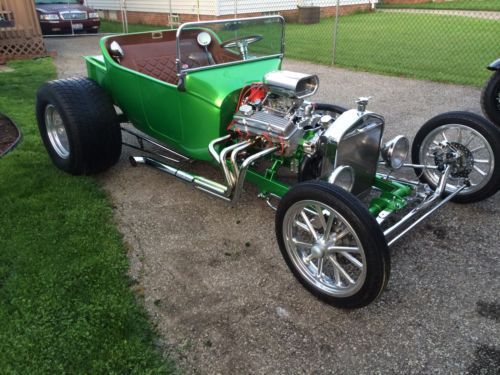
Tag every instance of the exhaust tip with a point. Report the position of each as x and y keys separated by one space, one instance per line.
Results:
x=132 y=161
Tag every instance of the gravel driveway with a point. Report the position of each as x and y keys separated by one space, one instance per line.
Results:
x=224 y=302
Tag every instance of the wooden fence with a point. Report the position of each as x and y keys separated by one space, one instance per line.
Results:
x=20 y=33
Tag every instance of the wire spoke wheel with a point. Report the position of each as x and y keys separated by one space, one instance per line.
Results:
x=324 y=248
x=476 y=161
x=467 y=143
x=332 y=244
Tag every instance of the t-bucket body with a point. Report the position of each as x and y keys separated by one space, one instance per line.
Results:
x=215 y=91
x=187 y=102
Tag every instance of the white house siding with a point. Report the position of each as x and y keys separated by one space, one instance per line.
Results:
x=206 y=7
x=251 y=6
x=216 y=7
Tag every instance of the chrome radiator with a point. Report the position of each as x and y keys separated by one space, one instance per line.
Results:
x=353 y=140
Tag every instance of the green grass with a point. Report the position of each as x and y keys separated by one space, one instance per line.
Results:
x=432 y=47
x=490 y=5
x=116 y=27
x=65 y=301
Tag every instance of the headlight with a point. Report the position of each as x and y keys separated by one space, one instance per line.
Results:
x=342 y=176
x=49 y=17
x=93 y=15
x=395 y=151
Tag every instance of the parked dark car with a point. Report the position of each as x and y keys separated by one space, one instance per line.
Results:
x=66 y=17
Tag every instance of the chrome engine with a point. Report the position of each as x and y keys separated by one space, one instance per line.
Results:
x=274 y=113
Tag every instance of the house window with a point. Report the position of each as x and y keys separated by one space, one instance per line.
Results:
x=6 y=19
x=174 y=19
x=271 y=13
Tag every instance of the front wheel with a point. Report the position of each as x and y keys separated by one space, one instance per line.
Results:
x=490 y=98
x=466 y=142
x=332 y=244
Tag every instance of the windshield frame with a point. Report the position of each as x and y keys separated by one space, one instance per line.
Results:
x=187 y=25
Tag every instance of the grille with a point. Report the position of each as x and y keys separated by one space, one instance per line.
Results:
x=360 y=150
x=74 y=16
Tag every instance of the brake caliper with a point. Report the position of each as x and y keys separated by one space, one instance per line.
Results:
x=457 y=156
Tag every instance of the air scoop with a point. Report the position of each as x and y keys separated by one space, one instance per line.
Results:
x=291 y=84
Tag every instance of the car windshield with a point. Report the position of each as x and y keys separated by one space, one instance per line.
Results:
x=202 y=45
x=56 y=2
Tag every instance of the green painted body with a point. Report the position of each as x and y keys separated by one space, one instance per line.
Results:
x=188 y=120
x=184 y=120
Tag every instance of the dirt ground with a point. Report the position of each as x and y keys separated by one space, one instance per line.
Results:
x=224 y=302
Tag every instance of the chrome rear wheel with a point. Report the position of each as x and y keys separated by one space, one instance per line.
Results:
x=56 y=132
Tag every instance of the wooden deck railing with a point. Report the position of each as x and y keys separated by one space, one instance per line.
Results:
x=20 y=33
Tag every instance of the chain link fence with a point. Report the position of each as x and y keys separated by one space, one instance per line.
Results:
x=440 y=40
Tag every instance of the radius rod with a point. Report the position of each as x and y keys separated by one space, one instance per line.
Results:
x=235 y=176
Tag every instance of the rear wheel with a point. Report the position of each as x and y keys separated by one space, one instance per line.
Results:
x=78 y=125
x=490 y=98
x=332 y=244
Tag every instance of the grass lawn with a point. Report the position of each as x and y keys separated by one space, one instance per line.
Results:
x=116 y=27
x=432 y=47
x=491 y=5
x=65 y=300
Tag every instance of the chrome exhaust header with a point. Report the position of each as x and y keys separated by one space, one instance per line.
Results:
x=198 y=181
x=234 y=178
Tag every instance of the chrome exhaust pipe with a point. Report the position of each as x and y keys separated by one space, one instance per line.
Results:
x=211 y=147
x=199 y=182
x=230 y=177
x=206 y=185
x=234 y=155
x=243 y=171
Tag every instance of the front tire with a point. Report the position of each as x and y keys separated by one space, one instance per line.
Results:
x=332 y=244
x=490 y=98
x=478 y=143
x=78 y=125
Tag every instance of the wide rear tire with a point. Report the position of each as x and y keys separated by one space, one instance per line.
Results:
x=332 y=244
x=78 y=125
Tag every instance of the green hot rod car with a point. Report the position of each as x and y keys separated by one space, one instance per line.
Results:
x=214 y=91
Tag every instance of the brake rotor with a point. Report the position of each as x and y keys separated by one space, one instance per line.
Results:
x=463 y=163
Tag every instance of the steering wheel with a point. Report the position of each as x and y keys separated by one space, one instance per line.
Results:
x=242 y=43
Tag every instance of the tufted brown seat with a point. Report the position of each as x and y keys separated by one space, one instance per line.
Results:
x=154 y=54
x=159 y=67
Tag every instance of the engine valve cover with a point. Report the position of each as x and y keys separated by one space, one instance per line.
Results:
x=277 y=128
